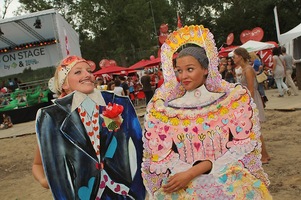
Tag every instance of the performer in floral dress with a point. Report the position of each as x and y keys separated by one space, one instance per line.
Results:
x=201 y=137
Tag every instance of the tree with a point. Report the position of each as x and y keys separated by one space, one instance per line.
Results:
x=225 y=16
x=126 y=30
x=113 y=29
x=5 y=7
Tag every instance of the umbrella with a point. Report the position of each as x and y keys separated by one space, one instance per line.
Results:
x=110 y=69
x=252 y=46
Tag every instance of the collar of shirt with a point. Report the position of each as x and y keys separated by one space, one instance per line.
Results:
x=79 y=97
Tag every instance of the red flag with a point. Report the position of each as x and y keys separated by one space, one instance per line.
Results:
x=179 y=21
x=66 y=43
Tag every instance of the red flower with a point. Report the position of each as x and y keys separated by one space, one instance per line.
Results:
x=112 y=111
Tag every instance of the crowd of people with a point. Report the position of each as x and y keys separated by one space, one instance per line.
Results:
x=230 y=71
x=281 y=75
x=133 y=86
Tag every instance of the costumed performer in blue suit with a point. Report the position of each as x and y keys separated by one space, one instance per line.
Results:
x=89 y=143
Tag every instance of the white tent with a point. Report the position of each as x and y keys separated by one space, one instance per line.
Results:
x=252 y=46
x=290 y=35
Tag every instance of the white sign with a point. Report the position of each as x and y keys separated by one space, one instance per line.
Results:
x=38 y=57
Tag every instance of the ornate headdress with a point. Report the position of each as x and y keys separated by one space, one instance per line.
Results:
x=189 y=34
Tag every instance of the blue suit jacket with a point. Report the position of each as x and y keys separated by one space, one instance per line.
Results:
x=69 y=158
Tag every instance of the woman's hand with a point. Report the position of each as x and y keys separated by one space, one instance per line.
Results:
x=182 y=179
x=38 y=170
x=177 y=182
x=44 y=183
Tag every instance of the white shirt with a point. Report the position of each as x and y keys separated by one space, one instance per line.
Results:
x=118 y=90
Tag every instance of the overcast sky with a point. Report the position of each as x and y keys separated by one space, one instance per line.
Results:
x=12 y=7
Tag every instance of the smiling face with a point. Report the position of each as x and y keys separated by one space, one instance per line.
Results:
x=190 y=72
x=79 y=78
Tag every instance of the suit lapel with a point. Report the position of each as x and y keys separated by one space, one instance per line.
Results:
x=73 y=129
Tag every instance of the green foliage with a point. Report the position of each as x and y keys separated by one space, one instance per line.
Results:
x=126 y=31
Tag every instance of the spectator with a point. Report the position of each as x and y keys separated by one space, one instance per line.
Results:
x=111 y=86
x=6 y=122
x=124 y=85
x=258 y=67
x=289 y=61
x=17 y=82
x=279 y=73
x=11 y=85
x=222 y=67
x=241 y=57
x=118 y=89
x=21 y=98
x=99 y=84
x=229 y=74
x=147 y=86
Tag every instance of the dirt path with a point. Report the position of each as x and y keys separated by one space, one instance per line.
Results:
x=282 y=133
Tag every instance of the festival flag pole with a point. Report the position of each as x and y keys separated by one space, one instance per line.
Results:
x=179 y=25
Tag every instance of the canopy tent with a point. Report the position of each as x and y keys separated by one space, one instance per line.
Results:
x=290 y=35
x=111 y=69
x=139 y=64
x=148 y=63
x=252 y=46
x=125 y=73
x=226 y=50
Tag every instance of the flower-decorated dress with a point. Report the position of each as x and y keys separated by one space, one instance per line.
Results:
x=220 y=131
x=217 y=122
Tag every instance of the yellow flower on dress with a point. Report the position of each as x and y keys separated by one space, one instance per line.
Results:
x=252 y=136
x=164 y=118
x=186 y=122
x=157 y=115
x=244 y=98
x=224 y=111
x=175 y=121
x=199 y=120
x=235 y=105
x=211 y=116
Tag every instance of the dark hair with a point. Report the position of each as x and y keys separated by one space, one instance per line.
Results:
x=110 y=85
x=243 y=53
x=198 y=53
x=122 y=78
x=276 y=51
x=283 y=49
x=117 y=82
